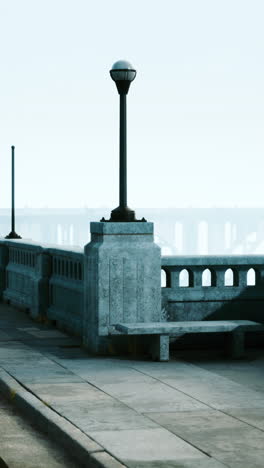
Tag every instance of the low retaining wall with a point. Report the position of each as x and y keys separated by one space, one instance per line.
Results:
x=49 y=282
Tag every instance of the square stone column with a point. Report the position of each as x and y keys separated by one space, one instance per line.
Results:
x=122 y=271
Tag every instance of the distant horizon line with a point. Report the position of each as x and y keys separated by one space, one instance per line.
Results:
x=83 y=208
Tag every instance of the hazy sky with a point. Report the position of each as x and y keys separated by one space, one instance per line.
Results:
x=195 y=110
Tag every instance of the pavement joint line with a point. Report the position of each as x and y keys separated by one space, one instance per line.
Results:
x=146 y=414
x=175 y=388
x=180 y=436
x=223 y=411
x=200 y=401
x=136 y=411
x=71 y=442
x=103 y=391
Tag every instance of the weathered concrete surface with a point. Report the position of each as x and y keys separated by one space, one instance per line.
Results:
x=121 y=280
x=192 y=412
x=22 y=446
x=188 y=327
x=213 y=298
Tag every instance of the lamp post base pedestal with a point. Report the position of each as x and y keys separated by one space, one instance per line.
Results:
x=122 y=266
x=123 y=214
x=13 y=235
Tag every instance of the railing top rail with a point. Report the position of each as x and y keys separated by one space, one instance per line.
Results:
x=25 y=244
x=48 y=248
x=76 y=253
x=213 y=260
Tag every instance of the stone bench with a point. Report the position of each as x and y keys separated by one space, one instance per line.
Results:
x=161 y=331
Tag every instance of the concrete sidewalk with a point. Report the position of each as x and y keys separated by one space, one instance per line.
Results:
x=110 y=412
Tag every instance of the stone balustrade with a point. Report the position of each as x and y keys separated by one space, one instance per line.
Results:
x=213 y=287
x=66 y=289
x=49 y=282
x=26 y=280
x=46 y=281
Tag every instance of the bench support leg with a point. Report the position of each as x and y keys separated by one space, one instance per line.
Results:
x=160 y=347
x=236 y=344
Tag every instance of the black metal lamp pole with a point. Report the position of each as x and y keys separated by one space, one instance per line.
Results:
x=123 y=74
x=13 y=234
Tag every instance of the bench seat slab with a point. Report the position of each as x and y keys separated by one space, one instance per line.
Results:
x=161 y=332
x=158 y=328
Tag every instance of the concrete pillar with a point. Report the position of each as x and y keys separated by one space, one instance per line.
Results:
x=122 y=266
x=190 y=238
x=216 y=238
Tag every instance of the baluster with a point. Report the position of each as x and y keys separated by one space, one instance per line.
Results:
x=220 y=275
x=260 y=275
x=173 y=276
x=197 y=273
x=75 y=270
x=80 y=272
x=242 y=276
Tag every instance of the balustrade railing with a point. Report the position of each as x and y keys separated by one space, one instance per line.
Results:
x=66 y=289
x=49 y=282
x=195 y=288
x=26 y=279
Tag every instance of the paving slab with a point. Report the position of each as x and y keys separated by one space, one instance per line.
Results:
x=68 y=392
x=103 y=415
x=218 y=434
x=207 y=387
x=147 y=445
x=219 y=392
x=247 y=373
x=109 y=374
x=142 y=414
x=42 y=375
x=151 y=396
x=254 y=417
x=244 y=459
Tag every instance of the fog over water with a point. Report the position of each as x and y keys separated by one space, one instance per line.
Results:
x=195 y=109
x=182 y=231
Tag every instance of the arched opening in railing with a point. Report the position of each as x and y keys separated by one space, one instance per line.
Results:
x=185 y=278
x=207 y=278
x=251 y=277
x=231 y=277
x=165 y=278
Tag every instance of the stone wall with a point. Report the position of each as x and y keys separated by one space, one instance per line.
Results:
x=44 y=280
x=213 y=288
x=49 y=283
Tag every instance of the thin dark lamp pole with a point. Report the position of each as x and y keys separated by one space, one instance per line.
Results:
x=123 y=153
x=13 y=234
x=13 y=189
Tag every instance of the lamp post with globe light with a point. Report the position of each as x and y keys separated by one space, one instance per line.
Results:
x=122 y=262
x=123 y=74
